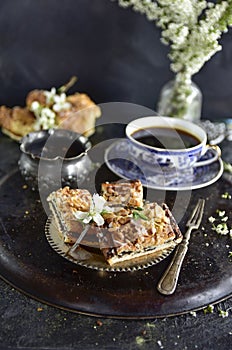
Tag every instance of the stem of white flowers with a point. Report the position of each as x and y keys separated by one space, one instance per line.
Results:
x=68 y=85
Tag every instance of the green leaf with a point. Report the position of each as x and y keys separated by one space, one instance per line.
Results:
x=139 y=208
x=139 y=215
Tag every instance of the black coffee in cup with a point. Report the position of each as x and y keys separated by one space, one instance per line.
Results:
x=166 y=138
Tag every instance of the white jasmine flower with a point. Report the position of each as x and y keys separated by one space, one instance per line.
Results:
x=45 y=117
x=35 y=106
x=97 y=208
x=60 y=103
x=50 y=95
x=47 y=113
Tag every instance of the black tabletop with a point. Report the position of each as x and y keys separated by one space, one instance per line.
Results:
x=117 y=56
x=32 y=321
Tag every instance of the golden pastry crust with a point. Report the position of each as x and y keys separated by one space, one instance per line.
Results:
x=16 y=121
x=81 y=117
x=36 y=95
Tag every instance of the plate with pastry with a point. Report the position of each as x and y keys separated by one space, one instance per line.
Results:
x=115 y=230
x=45 y=110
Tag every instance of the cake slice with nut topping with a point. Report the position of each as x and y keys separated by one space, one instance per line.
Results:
x=124 y=193
x=119 y=223
x=154 y=230
x=63 y=204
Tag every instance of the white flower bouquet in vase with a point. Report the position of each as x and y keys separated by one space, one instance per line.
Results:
x=192 y=29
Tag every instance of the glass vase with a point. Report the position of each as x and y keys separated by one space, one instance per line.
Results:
x=187 y=106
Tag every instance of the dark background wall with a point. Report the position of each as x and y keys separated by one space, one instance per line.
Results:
x=116 y=54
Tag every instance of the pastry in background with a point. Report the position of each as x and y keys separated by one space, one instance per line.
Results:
x=51 y=109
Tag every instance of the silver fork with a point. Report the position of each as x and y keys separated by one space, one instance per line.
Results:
x=168 y=282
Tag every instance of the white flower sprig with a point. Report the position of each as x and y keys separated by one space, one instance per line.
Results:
x=97 y=208
x=192 y=29
x=60 y=103
x=46 y=115
x=50 y=96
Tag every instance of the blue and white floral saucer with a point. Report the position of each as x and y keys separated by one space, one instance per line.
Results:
x=121 y=162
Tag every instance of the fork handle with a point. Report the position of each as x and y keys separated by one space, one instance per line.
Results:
x=168 y=281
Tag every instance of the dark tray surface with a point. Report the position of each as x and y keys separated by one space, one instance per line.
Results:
x=31 y=265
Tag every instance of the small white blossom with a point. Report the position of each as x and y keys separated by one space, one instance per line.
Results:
x=45 y=117
x=193 y=313
x=223 y=313
x=226 y=195
x=97 y=208
x=220 y=213
x=211 y=219
x=60 y=103
x=57 y=101
x=35 y=106
x=50 y=96
x=221 y=229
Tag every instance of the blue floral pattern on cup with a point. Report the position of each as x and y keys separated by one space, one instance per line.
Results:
x=168 y=158
x=120 y=160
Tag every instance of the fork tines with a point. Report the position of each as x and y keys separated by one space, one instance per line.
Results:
x=197 y=214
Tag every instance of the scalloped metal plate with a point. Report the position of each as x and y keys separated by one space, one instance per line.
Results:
x=95 y=260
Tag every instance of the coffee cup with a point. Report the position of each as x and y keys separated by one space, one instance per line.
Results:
x=169 y=143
